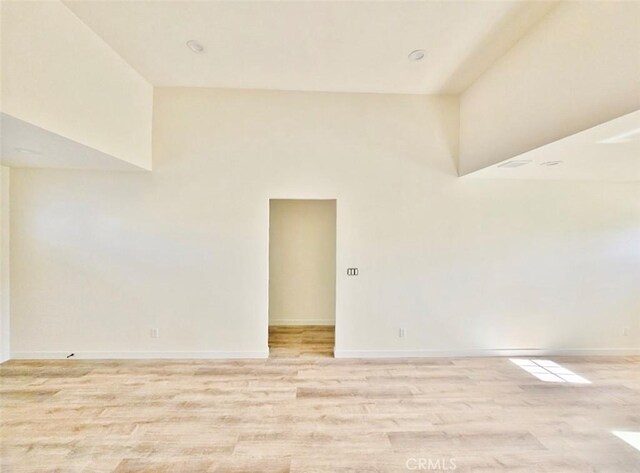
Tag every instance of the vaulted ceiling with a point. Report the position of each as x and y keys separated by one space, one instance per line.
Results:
x=314 y=46
x=607 y=152
x=538 y=81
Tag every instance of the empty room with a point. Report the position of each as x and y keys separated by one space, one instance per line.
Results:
x=319 y=236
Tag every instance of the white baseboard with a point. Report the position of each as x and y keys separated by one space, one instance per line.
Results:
x=302 y=322
x=486 y=352
x=262 y=354
x=140 y=355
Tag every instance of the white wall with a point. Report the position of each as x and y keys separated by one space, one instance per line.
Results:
x=302 y=262
x=464 y=265
x=578 y=68
x=4 y=264
x=57 y=74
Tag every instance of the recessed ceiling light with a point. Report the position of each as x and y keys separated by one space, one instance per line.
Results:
x=27 y=151
x=195 y=46
x=417 y=55
x=513 y=164
x=550 y=163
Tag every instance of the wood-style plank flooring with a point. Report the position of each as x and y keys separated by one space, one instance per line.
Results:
x=301 y=341
x=308 y=414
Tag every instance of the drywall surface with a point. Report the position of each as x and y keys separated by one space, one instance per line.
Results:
x=58 y=75
x=4 y=264
x=302 y=262
x=463 y=265
x=578 y=68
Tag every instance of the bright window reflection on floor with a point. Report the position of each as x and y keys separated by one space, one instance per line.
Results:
x=632 y=438
x=550 y=371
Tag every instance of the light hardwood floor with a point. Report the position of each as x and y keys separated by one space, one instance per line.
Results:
x=311 y=414
x=315 y=341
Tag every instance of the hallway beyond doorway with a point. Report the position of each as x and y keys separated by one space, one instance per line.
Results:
x=302 y=341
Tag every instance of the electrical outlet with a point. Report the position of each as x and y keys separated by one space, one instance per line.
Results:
x=401 y=333
x=155 y=333
x=625 y=331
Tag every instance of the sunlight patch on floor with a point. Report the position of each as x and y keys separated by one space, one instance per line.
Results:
x=632 y=438
x=549 y=371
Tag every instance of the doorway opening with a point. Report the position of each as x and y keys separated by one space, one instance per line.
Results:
x=302 y=277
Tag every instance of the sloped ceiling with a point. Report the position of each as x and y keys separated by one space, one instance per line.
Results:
x=312 y=46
